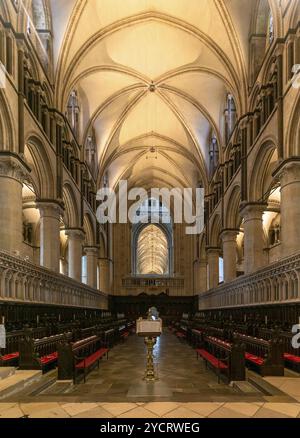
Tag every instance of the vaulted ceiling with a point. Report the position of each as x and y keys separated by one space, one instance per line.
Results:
x=152 y=251
x=152 y=78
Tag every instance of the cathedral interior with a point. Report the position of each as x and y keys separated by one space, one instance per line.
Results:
x=181 y=96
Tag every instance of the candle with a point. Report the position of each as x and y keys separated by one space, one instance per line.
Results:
x=59 y=317
x=37 y=319
x=3 y=320
x=266 y=320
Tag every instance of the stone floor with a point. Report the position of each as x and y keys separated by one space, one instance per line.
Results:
x=185 y=390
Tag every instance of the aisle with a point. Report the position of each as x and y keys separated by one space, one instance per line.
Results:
x=193 y=390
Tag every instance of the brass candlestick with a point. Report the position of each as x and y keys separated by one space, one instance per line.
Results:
x=150 y=373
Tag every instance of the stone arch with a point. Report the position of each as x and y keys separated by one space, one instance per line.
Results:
x=4 y=12
x=215 y=231
x=71 y=217
x=202 y=246
x=232 y=215
x=42 y=172
x=102 y=243
x=259 y=29
x=293 y=132
x=261 y=180
x=7 y=132
x=89 y=230
x=294 y=15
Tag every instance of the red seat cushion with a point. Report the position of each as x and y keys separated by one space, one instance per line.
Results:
x=291 y=358
x=10 y=356
x=214 y=361
x=255 y=359
x=49 y=358
x=85 y=363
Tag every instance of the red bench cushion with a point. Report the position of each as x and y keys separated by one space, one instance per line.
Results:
x=92 y=358
x=255 y=359
x=180 y=335
x=9 y=357
x=125 y=334
x=215 y=362
x=291 y=358
x=49 y=358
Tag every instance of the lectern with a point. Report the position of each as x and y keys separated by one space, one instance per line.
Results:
x=150 y=330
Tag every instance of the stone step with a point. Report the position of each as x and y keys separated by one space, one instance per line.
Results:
x=264 y=387
x=17 y=382
x=6 y=372
x=245 y=387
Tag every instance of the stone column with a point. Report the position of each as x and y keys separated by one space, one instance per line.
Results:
x=50 y=234
x=92 y=261
x=254 y=239
x=289 y=174
x=104 y=275
x=13 y=171
x=200 y=276
x=229 y=254
x=213 y=255
x=75 y=242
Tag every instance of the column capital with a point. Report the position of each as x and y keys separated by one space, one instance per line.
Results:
x=252 y=210
x=91 y=250
x=288 y=171
x=13 y=166
x=75 y=233
x=213 y=250
x=50 y=208
x=229 y=234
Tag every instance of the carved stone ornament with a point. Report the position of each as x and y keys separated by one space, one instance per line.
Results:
x=12 y=166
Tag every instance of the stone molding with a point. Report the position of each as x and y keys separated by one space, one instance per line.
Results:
x=13 y=166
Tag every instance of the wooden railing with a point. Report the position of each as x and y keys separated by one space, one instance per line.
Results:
x=22 y=281
x=277 y=283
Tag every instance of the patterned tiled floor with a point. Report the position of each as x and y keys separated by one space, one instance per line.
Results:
x=192 y=391
x=150 y=410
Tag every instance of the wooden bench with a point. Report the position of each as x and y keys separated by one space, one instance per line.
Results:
x=291 y=355
x=224 y=357
x=264 y=357
x=36 y=354
x=10 y=355
x=78 y=358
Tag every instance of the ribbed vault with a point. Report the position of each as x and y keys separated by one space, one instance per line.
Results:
x=152 y=78
x=152 y=251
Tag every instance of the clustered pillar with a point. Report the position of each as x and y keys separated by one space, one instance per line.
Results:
x=75 y=243
x=104 y=275
x=13 y=172
x=289 y=174
x=50 y=234
x=254 y=238
x=213 y=255
x=92 y=262
x=229 y=254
